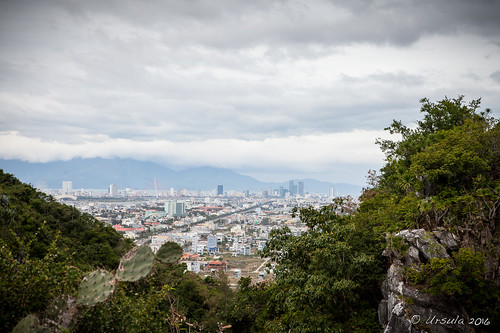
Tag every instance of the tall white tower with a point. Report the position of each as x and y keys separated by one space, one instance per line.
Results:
x=331 y=192
x=113 y=190
x=67 y=187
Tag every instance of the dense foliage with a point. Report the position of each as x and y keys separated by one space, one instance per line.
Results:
x=168 y=300
x=31 y=221
x=445 y=173
x=44 y=249
x=460 y=277
x=327 y=278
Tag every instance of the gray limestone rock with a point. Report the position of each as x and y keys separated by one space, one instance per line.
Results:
x=383 y=314
x=446 y=239
x=413 y=257
x=398 y=321
x=407 y=309
x=426 y=243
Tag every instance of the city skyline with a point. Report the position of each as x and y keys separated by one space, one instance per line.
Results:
x=276 y=90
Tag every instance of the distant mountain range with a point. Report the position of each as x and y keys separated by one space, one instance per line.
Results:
x=99 y=173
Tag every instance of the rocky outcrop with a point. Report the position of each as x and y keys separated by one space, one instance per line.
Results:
x=405 y=308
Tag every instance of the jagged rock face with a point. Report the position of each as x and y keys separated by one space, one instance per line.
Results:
x=447 y=239
x=406 y=309
x=425 y=242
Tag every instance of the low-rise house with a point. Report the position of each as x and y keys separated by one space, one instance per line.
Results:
x=217 y=264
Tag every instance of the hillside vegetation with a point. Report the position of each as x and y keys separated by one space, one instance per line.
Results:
x=444 y=175
x=45 y=247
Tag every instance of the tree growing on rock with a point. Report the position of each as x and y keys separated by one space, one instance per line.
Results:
x=443 y=176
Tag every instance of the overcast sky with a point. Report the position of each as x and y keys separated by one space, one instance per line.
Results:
x=272 y=89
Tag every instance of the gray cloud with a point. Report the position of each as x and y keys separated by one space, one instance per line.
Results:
x=73 y=72
x=400 y=78
x=320 y=154
x=245 y=23
x=495 y=76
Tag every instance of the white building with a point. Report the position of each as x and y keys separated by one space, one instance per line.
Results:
x=331 y=192
x=193 y=266
x=113 y=190
x=67 y=187
x=194 y=244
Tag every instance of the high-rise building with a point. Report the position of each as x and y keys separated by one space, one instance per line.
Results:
x=291 y=188
x=67 y=187
x=331 y=192
x=220 y=190
x=113 y=190
x=301 y=189
x=175 y=208
x=180 y=208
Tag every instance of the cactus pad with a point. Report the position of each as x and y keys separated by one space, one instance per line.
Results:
x=27 y=324
x=169 y=253
x=40 y=329
x=136 y=264
x=95 y=287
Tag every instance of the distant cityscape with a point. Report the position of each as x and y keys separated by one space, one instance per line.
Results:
x=223 y=224
x=209 y=225
x=89 y=177
x=293 y=190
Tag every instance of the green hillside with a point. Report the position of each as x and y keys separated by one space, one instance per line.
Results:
x=45 y=247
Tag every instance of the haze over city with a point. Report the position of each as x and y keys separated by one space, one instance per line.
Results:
x=271 y=89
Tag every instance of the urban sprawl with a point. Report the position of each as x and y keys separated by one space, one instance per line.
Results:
x=216 y=229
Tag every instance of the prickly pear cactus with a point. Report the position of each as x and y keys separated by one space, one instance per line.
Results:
x=40 y=329
x=27 y=324
x=136 y=264
x=169 y=253
x=95 y=287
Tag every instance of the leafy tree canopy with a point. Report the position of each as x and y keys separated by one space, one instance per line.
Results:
x=324 y=277
x=31 y=221
x=443 y=173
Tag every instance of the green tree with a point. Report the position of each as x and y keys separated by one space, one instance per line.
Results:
x=327 y=278
x=445 y=173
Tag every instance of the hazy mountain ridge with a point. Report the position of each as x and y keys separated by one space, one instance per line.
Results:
x=99 y=173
